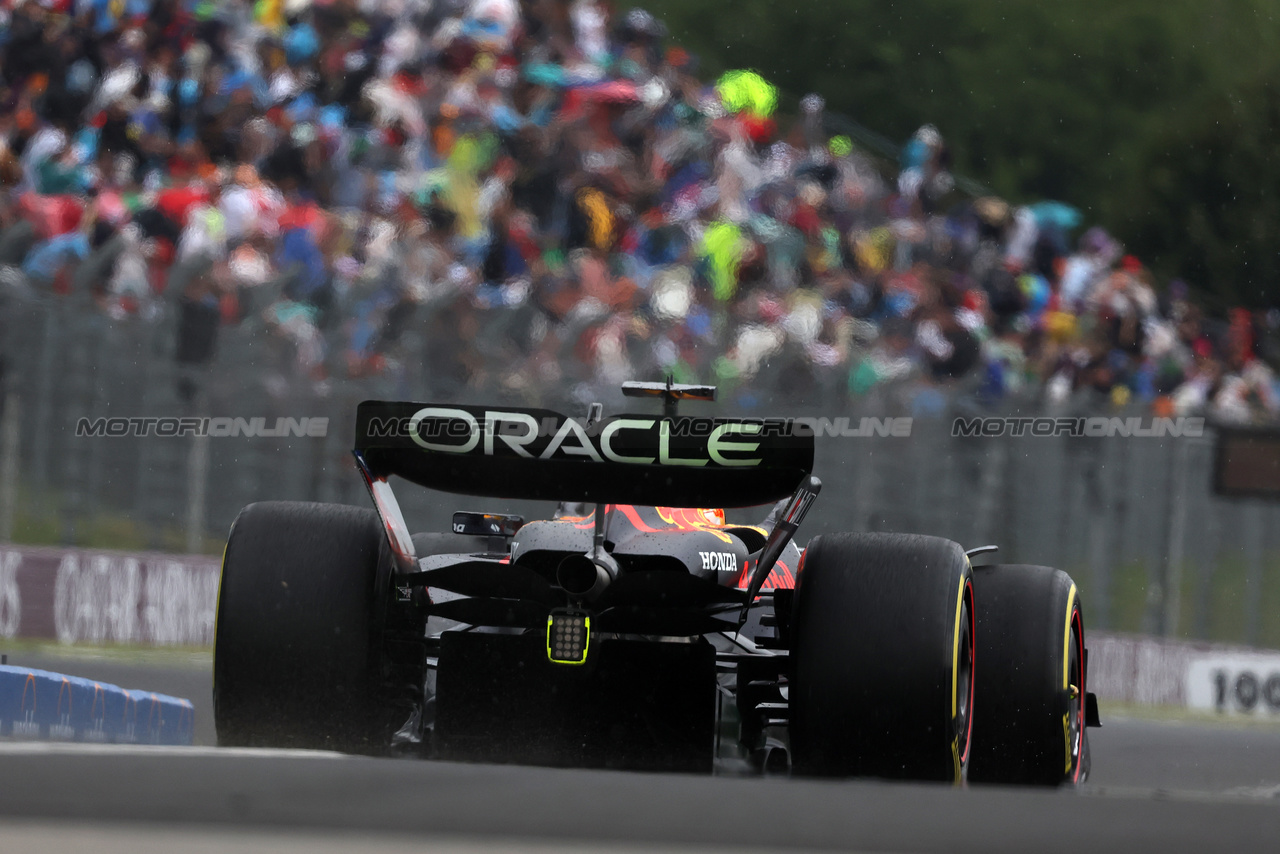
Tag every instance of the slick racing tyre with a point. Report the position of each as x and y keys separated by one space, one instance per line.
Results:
x=1031 y=729
x=882 y=661
x=298 y=641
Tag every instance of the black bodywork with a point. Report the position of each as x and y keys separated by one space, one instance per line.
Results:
x=688 y=618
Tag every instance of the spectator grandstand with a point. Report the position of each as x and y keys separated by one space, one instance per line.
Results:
x=553 y=196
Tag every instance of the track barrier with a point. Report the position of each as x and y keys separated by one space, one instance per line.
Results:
x=1147 y=671
x=40 y=705
x=93 y=596
x=96 y=596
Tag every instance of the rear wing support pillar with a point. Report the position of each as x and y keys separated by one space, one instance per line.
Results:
x=398 y=536
x=783 y=530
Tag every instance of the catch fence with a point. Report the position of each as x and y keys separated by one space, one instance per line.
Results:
x=1133 y=519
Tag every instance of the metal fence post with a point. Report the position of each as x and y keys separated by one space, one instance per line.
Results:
x=1253 y=537
x=1102 y=543
x=1174 y=549
x=46 y=373
x=1151 y=478
x=10 y=434
x=991 y=489
x=197 y=480
x=1209 y=536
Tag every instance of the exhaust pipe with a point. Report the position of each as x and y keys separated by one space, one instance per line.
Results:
x=586 y=576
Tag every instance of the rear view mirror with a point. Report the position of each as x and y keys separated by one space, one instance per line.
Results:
x=486 y=524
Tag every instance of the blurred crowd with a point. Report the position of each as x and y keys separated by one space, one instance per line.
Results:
x=543 y=198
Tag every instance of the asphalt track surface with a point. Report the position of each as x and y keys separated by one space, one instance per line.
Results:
x=1156 y=787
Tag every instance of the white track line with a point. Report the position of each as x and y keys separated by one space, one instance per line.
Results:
x=37 y=837
x=71 y=748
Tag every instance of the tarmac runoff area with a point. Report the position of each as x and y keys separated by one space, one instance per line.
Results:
x=1161 y=782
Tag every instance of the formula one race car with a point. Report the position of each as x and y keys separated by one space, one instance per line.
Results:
x=630 y=629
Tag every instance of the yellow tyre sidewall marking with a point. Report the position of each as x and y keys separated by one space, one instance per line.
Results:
x=955 y=673
x=1066 y=675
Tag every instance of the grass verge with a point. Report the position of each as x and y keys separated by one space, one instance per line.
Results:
x=1180 y=715
x=180 y=657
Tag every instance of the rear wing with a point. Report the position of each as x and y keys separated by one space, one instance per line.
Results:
x=515 y=453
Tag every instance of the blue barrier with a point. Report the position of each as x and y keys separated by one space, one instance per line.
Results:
x=37 y=704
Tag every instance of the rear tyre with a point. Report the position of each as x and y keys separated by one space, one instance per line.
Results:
x=882 y=680
x=1031 y=730
x=298 y=647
